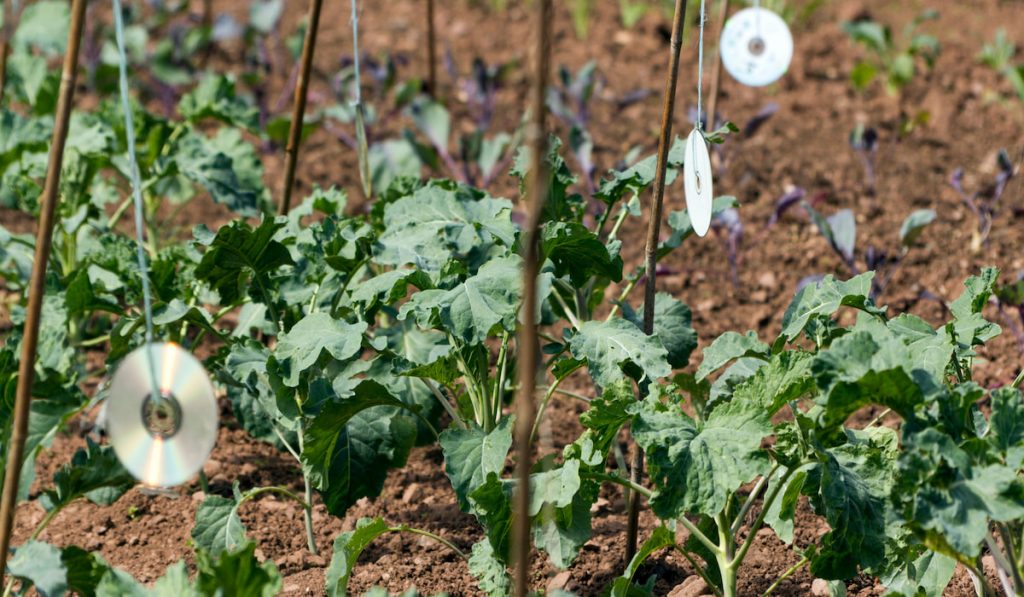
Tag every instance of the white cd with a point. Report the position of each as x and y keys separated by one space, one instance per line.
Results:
x=162 y=442
x=697 y=182
x=756 y=47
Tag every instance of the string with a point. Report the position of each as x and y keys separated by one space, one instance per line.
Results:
x=700 y=68
x=136 y=181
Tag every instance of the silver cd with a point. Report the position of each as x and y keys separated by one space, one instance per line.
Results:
x=697 y=182
x=756 y=47
x=162 y=442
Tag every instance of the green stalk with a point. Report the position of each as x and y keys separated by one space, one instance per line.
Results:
x=307 y=515
x=503 y=363
x=1020 y=380
x=790 y=572
x=404 y=528
x=543 y=407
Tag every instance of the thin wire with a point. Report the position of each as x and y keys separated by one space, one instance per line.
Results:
x=700 y=68
x=136 y=180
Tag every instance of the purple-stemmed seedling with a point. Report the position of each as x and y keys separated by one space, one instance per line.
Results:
x=864 y=141
x=984 y=204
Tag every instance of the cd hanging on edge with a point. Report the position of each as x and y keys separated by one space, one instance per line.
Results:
x=162 y=442
x=697 y=182
x=756 y=47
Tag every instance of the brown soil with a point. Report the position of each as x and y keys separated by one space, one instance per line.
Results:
x=804 y=144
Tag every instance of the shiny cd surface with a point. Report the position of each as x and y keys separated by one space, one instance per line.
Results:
x=697 y=182
x=756 y=47
x=162 y=442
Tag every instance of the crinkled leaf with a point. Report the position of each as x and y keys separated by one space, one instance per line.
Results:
x=240 y=258
x=673 y=324
x=301 y=347
x=729 y=346
x=492 y=577
x=824 y=298
x=616 y=348
x=472 y=454
x=218 y=527
x=577 y=252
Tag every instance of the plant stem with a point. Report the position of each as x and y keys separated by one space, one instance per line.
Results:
x=543 y=407
x=527 y=343
x=425 y=533
x=565 y=307
x=444 y=402
x=1020 y=380
x=253 y=493
x=768 y=500
x=622 y=297
x=716 y=71
x=653 y=232
x=299 y=108
x=789 y=572
x=500 y=384
x=727 y=563
x=749 y=503
x=1004 y=561
x=37 y=282
x=878 y=418
x=699 y=570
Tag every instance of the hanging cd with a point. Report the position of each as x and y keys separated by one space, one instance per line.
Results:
x=164 y=441
x=756 y=47
x=697 y=182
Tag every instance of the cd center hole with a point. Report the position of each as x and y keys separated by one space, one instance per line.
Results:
x=756 y=46
x=162 y=417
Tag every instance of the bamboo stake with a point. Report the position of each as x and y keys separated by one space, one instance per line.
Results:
x=299 y=109
x=716 y=70
x=527 y=341
x=5 y=34
x=431 y=51
x=37 y=284
x=651 y=251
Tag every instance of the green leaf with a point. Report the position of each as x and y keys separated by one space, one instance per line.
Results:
x=927 y=576
x=241 y=258
x=673 y=324
x=638 y=177
x=484 y=305
x=856 y=480
x=729 y=346
x=236 y=573
x=434 y=225
x=94 y=472
x=348 y=448
x=433 y=119
x=824 y=299
x=472 y=454
x=914 y=225
x=215 y=97
x=491 y=503
x=1006 y=426
x=44 y=26
x=226 y=166
x=782 y=512
x=607 y=413
x=347 y=548
x=695 y=466
x=302 y=346
x=492 y=577
x=40 y=565
x=579 y=253
x=659 y=539
x=560 y=502
x=786 y=377
x=218 y=527
x=617 y=347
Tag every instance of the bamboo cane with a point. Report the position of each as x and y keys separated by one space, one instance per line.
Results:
x=431 y=51
x=37 y=284
x=716 y=70
x=651 y=251
x=527 y=341
x=299 y=109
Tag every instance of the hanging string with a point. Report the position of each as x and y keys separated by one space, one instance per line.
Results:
x=136 y=181
x=700 y=68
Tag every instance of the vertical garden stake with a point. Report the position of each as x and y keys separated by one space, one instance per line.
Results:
x=651 y=251
x=431 y=51
x=527 y=342
x=5 y=33
x=299 y=109
x=37 y=284
x=716 y=70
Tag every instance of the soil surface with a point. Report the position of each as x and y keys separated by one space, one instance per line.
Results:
x=972 y=113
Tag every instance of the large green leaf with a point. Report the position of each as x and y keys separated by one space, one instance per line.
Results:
x=694 y=465
x=927 y=576
x=729 y=346
x=94 y=472
x=351 y=444
x=659 y=539
x=226 y=166
x=434 y=225
x=491 y=575
x=218 y=527
x=215 y=97
x=347 y=547
x=673 y=324
x=825 y=298
x=579 y=253
x=240 y=259
x=617 y=347
x=302 y=346
x=472 y=454
x=236 y=573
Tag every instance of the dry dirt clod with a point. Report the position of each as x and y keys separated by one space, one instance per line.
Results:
x=413 y=493
x=560 y=581
x=693 y=586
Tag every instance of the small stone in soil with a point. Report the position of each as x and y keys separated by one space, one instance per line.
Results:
x=560 y=581
x=819 y=588
x=693 y=586
x=413 y=493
